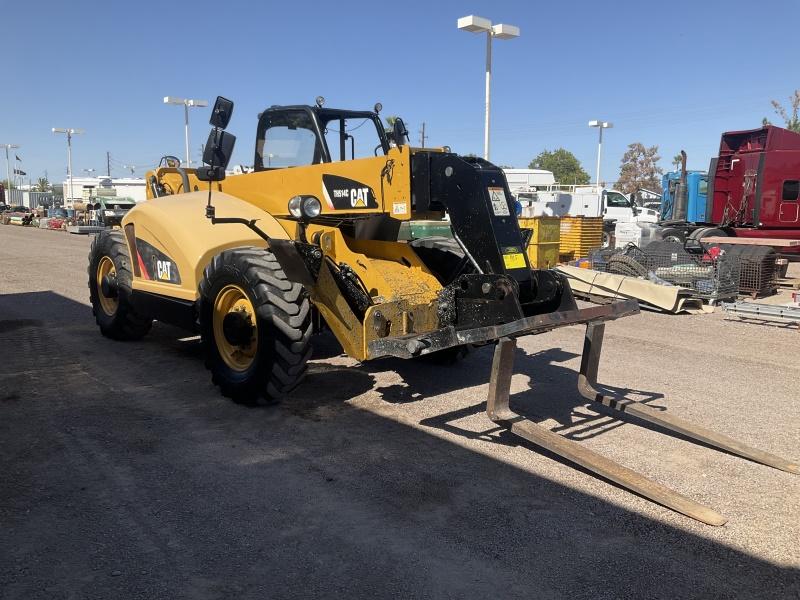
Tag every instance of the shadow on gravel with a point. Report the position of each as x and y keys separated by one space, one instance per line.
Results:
x=124 y=474
x=553 y=391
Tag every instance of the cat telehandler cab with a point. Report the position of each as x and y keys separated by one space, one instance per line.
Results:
x=308 y=240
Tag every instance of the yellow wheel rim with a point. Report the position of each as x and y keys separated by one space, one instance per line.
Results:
x=106 y=268
x=232 y=299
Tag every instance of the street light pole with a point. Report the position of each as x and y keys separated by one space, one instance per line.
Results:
x=186 y=102
x=69 y=133
x=600 y=125
x=475 y=24
x=8 y=170
x=488 y=100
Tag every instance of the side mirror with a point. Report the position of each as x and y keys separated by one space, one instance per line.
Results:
x=217 y=155
x=399 y=132
x=221 y=113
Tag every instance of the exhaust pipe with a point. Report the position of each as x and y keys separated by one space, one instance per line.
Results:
x=681 y=202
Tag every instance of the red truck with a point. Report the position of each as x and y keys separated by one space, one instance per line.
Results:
x=753 y=187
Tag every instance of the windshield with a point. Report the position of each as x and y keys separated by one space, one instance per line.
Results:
x=288 y=137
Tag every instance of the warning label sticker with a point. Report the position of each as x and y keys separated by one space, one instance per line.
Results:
x=514 y=261
x=399 y=208
x=497 y=196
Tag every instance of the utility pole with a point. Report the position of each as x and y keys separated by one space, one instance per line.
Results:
x=108 y=164
x=422 y=135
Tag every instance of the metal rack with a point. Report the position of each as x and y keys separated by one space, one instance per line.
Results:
x=709 y=275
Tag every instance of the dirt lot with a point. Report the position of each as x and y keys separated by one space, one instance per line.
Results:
x=125 y=474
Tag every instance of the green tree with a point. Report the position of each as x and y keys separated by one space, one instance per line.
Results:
x=390 y=121
x=565 y=167
x=42 y=185
x=790 y=116
x=639 y=169
x=676 y=161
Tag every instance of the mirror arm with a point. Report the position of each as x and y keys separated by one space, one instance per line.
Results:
x=251 y=223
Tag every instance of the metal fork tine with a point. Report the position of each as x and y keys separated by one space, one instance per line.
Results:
x=587 y=379
x=498 y=410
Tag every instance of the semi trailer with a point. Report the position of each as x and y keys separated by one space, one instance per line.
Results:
x=752 y=190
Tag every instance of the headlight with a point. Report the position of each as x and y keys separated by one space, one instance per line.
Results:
x=294 y=206
x=304 y=207
x=311 y=207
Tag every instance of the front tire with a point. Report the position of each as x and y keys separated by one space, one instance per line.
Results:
x=110 y=289
x=255 y=324
x=445 y=258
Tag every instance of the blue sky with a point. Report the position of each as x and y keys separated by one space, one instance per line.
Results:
x=676 y=74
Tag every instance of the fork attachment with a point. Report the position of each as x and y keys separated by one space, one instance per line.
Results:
x=497 y=408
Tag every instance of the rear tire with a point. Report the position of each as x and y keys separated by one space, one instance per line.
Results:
x=115 y=315
x=273 y=358
x=674 y=235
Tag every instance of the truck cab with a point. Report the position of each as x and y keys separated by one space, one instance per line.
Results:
x=697 y=195
x=622 y=209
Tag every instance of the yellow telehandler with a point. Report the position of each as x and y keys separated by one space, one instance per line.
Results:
x=307 y=239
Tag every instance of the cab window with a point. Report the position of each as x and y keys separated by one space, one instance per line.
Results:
x=617 y=200
x=287 y=139
x=791 y=190
x=351 y=138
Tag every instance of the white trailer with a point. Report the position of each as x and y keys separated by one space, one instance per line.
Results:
x=529 y=179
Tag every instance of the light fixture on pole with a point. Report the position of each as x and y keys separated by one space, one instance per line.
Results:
x=69 y=133
x=186 y=102
x=8 y=170
x=501 y=31
x=600 y=125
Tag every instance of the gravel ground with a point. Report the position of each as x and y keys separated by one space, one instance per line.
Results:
x=125 y=474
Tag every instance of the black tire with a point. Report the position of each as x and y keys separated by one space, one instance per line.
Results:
x=123 y=323
x=673 y=234
x=625 y=265
x=444 y=257
x=284 y=326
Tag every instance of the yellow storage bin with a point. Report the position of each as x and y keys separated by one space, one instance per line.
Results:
x=546 y=230
x=580 y=235
x=543 y=256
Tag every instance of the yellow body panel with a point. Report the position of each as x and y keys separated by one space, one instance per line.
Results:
x=177 y=227
x=389 y=178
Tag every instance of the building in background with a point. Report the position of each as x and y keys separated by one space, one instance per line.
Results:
x=89 y=187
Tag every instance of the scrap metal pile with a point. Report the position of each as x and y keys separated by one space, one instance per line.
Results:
x=711 y=273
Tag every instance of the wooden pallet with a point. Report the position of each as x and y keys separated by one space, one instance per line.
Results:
x=791 y=283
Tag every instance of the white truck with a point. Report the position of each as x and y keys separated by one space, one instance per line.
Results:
x=539 y=195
